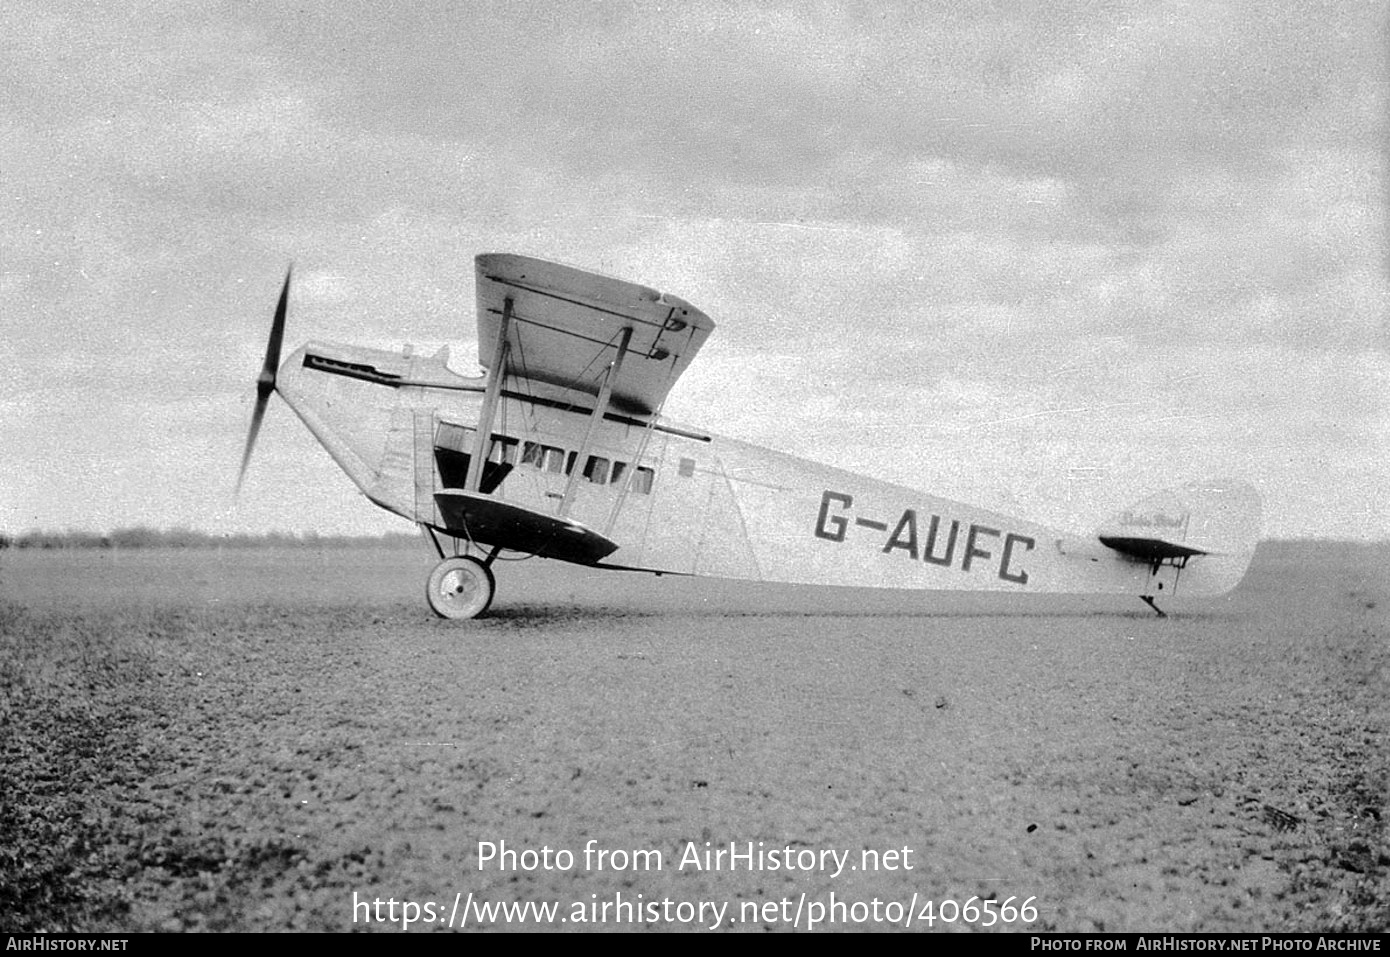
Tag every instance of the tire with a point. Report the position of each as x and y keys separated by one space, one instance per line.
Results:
x=460 y=588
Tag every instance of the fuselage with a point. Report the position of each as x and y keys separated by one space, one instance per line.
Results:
x=678 y=499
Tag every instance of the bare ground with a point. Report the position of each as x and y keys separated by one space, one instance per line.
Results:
x=198 y=740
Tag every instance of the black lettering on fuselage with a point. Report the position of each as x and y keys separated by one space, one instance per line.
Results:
x=973 y=550
x=929 y=553
x=832 y=527
x=834 y=519
x=1010 y=540
x=908 y=523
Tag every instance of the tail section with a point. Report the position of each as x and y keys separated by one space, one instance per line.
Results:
x=1202 y=534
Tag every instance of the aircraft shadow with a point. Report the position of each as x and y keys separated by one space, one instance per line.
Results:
x=547 y=614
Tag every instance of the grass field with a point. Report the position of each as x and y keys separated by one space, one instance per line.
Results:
x=242 y=740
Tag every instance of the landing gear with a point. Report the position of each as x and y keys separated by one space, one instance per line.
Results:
x=1156 y=579
x=460 y=588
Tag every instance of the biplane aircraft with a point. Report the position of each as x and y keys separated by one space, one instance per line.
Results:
x=560 y=450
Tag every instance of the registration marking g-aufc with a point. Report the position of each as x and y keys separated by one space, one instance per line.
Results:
x=833 y=526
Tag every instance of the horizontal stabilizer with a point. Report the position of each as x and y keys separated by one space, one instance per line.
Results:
x=1149 y=549
x=489 y=521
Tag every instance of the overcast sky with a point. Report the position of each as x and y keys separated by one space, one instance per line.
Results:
x=1045 y=261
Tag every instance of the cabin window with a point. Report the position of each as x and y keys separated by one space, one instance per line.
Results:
x=453 y=448
x=641 y=479
x=503 y=450
x=456 y=438
x=687 y=468
x=596 y=470
x=547 y=458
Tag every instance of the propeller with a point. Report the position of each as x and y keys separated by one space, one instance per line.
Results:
x=265 y=382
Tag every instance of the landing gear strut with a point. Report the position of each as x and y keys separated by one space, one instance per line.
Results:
x=460 y=587
x=1175 y=562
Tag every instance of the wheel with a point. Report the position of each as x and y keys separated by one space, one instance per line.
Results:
x=460 y=588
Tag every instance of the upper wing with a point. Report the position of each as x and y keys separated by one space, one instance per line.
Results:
x=566 y=325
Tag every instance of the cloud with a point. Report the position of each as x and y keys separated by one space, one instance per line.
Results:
x=1121 y=233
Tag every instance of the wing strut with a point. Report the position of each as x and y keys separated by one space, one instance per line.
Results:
x=496 y=373
x=636 y=463
x=630 y=473
x=600 y=407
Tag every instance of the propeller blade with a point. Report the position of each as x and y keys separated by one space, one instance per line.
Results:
x=265 y=382
x=256 y=417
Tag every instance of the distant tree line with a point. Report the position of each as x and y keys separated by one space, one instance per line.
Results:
x=142 y=537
